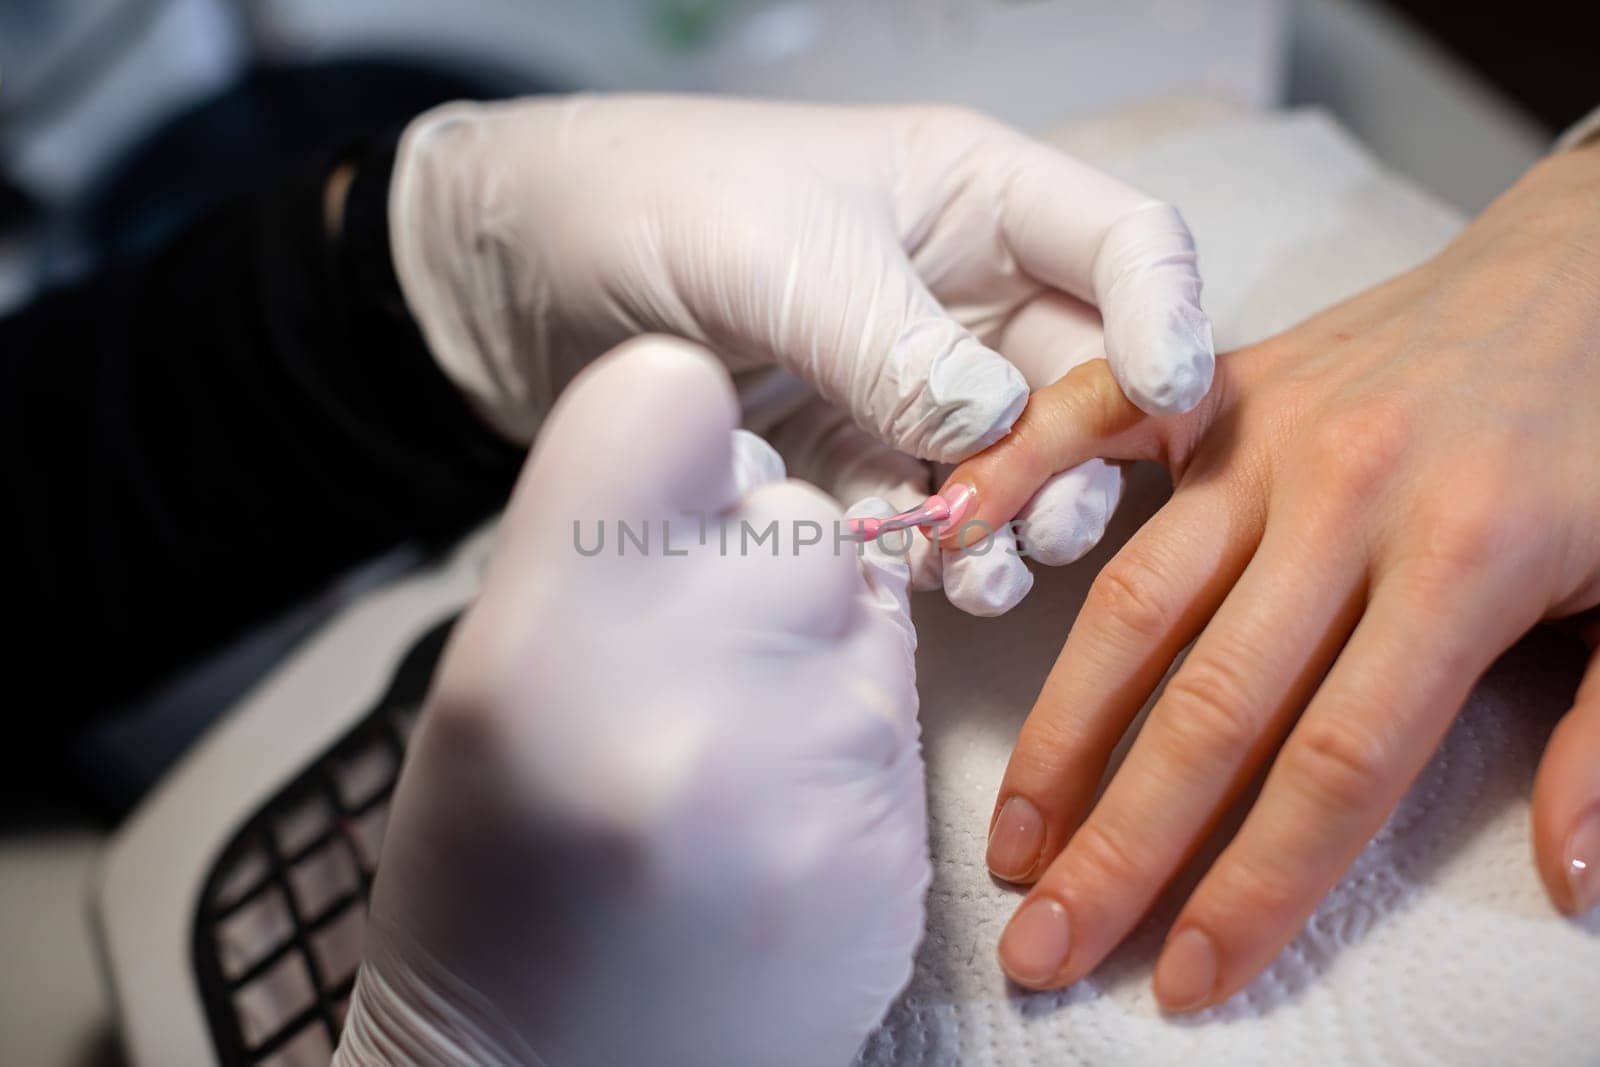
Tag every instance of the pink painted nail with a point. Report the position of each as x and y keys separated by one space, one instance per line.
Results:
x=962 y=500
x=1016 y=839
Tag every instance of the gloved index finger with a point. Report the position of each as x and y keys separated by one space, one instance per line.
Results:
x=645 y=431
x=1084 y=232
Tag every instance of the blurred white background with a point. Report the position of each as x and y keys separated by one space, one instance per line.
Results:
x=109 y=68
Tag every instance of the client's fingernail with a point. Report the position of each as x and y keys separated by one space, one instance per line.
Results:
x=1016 y=839
x=1186 y=973
x=1033 y=948
x=1583 y=862
x=962 y=500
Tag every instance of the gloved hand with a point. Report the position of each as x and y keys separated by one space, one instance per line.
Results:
x=915 y=266
x=1062 y=521
x=666 y=804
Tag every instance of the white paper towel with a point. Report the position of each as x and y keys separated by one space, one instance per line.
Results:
x=1439 y=946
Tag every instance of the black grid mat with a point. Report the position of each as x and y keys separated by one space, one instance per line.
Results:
x=278 y=934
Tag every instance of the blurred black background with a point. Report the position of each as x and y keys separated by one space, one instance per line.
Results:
x=1543 y=54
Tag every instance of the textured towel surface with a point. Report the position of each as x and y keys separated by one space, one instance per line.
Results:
x=1439 y=946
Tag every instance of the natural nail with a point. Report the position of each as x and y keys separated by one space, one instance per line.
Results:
x=1016 y=840
x=1186 y=973
x=1033 y=948
x=1583 y=862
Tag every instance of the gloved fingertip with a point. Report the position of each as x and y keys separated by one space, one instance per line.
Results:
x=1068 y=516
x=1158 y=338
x=1164 y=363
x=645 y=425
x=969 y=399
x=755 y=462
x=986 y=585
x=988 y=415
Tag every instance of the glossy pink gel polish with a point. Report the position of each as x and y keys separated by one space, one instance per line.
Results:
x=960 y=504
x=962 y=500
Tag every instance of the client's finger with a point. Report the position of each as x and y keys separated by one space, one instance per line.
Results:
x=1068 y=514
x=1566 y=803
x=986 y=574
x=1142 y=609
x=1080 y=417
x=643 y=430
x=1225 y=708
x=1370 y=729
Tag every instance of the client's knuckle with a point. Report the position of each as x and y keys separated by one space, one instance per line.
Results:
x=1470 y=533
x=1356 y=452
x=1106 y=857
x=1247 y=886
x=1207 y=708
x=1128 y=593
x=1339 y=762
x=1052 y=742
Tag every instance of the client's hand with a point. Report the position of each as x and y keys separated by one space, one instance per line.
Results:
x=666 y=803
x=1368 y=510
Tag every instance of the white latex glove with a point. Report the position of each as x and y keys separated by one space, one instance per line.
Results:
x=913 y=265
x=662 y=808
x=1063 y=521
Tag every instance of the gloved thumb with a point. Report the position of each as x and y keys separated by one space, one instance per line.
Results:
x=642 y=444
x=1566 y=802
x=644 y=431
